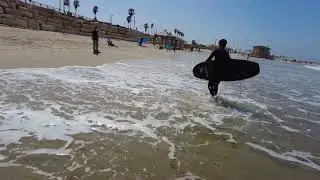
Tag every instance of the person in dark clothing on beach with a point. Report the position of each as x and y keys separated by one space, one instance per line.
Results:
x=95 y=39
x=141 y=41
x=109 y=42
x=220 y=54
x=175 y=45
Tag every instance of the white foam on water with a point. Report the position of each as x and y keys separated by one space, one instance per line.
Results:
x=172 y=149
x=313 y=67
x=103 y=124
x=288 y=156
x=317 y=104
x=246 y=100
x=302 y=110
x=250 y=106
x=289 y=129
x=134 y=97
x=34 y=169
x=103 y=99
x=279 y=120
x=125 y=64
x=266 y=141
x=265 y=122
x=304 y=155
x=59 y=152
x=302 y=119
x=206 y=143
x=295 y=92
x=188 y=176
x=299 y=99
x=22 y=122
x=2 y=157
x=106 y=170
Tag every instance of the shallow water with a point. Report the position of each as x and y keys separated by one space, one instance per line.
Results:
x=277 y=112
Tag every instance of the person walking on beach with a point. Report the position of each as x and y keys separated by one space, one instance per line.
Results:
x=141 y=41
x=95 y=40
x=175 y=45
x=220 y=55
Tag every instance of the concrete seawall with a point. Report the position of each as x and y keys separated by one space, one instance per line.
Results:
x=15 y=13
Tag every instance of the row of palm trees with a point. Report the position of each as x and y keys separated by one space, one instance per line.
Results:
x=129 y=19
x=147 y=28
x=178 y=32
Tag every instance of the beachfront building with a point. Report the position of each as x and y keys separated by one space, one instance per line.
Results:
x=165 y=40
x=261 y=52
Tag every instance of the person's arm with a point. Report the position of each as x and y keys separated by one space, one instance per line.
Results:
x=211 y=56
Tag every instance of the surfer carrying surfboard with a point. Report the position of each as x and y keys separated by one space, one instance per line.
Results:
x=219 y=54
x=223 y=68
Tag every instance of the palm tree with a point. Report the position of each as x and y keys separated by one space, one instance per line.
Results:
x=176 y=31
x=76 y=4
x=95 y=10
x=146 y=27
x=131 y=13
x=129 y=21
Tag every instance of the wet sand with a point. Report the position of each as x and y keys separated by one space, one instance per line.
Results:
x=196 y=154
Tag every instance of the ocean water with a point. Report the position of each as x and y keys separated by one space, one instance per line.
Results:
x=276 y=112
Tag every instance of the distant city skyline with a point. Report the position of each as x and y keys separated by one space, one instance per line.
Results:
x=290 y=28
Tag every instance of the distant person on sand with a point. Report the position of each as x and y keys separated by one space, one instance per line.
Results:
x=140 y=41
x=175 y=45
x=220 y=54
x=167 y=45
x=95 y=39
x=109 y=42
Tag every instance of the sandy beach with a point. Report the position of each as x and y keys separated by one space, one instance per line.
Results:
x=140 y=112
x=21 y=48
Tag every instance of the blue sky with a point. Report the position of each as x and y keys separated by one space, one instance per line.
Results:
x=289 y=27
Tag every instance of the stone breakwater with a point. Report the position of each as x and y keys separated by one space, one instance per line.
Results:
x=15 y=13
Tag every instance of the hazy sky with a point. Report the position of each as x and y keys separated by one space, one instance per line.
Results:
x=290 y=27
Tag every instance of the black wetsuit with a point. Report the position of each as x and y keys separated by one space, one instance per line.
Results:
x=220 y=55
x=95 y=39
